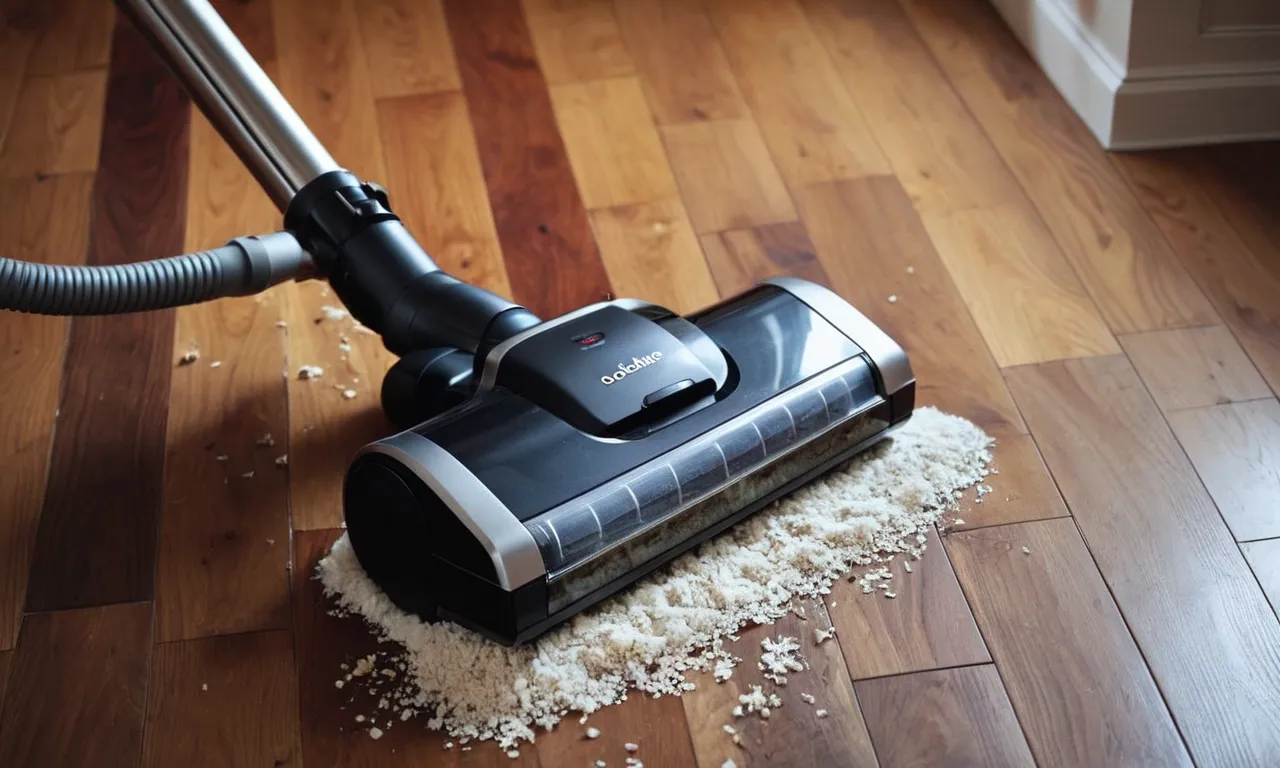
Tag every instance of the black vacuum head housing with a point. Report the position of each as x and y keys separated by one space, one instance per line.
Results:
x=602 y=444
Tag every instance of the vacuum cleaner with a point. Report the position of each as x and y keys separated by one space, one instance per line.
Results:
x=542 y=465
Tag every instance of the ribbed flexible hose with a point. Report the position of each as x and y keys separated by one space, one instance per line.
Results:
x=244 y=266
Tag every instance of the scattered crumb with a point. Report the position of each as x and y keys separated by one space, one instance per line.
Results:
x=466 y=749
x=333 y=313
x=779 y=657
x=281 y=324
x=344 y=347
x=601 y=764
x=582 y=720
x=906 y=566
x=820 y=712
x=204 y=686
x=222 y=457
x=729 y=729
x=272 y=542
x=513 y=753
x=338 y=683
x=807 y=698
x=799 y=611
x=834 y=603
x=282 y=460
x=737 y=739
x=359 y=327
x=189 y=357
x=1026 y=550
x=375 y=732
x=890 y=595
x=593 y=733
x=359 y=718
x=765 y=712
x=630 y=747
x=911 y=270
x=737 y=711
x=348 y=394
x=216 y=364
x=893 y=299
x=448 y=745
x=310 y=372
x=266 y=440
x=822 y=635
x=728 y=764
x=248 y=475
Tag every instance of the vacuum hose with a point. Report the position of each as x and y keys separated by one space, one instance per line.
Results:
x=246 y=265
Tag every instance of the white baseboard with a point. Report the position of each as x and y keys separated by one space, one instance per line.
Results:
x=1147 y=109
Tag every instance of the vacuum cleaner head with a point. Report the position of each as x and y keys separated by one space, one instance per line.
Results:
x=602 y=444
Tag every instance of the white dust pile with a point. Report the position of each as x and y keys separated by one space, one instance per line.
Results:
x=647 y=637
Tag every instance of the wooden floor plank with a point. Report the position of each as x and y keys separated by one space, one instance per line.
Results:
x=77 y=690
x=739 y=258
x=330 y=733
x=324 y=74
x=1194 y=367
x=552 y=259
x=1250 y=201
x=651 y=253
x=224 y=536
x=409 y=49
x=656 y=726
x=1018 y=489
x=223 y=701
x=1072 y=671
x=938 y=151
x=49 y=226
x=15 y=48
x=613 y=147
x=926 y=625
x=6 y=660
x=1236 y=450
x=577 y=40
x=437 y=188
x=812 y=126
x=73 y=35
x=1119 y=254
x=108 y=452
x=793 y=735
x=944 y=717
x=251 y=22
x=61 y=125
x=872 y=245
x=1264 y=559
x=726 y=176
x=1024 y=297
x=1212 y=642
x=681 y=62
x=1182 y=191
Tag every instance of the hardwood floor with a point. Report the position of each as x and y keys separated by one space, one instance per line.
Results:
x=1112 y=320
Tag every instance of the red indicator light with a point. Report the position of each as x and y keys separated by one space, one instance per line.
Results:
x=588 y=339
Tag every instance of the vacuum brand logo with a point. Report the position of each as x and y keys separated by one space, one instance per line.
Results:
x=625 y=369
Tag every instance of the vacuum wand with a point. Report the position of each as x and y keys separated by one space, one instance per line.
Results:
x=337 y=226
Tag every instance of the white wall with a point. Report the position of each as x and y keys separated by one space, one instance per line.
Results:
x=1145 y=73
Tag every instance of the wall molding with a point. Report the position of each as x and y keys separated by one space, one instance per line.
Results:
x=1148 y=107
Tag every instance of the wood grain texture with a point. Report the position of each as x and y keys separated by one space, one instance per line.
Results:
x=1194 y=367
x=726 y=176
x=223 y=536
x=1023 y=295
x=49 y=226
x=330 y=735
x=1250 y=200
x=437 y=188
x=78 y=687
x=97 y=537
x=15 y=49
x=651 y=252
x=867 y=236
x=1236 y=451
x=656 y=726
x=1075 y=677
x=70 y=35
x=1212 y=644
x=613 y=147
x=945 y=717
x=739 y=258
x=1126 y=266
x=938 y=151
x=61 y=125
x=1182 y=191
x=223 y=701
x=812 y=126
x=1264 y=559
x=552 y=260
x=793 y=735
x=681 y=62
x=1021 y=488
x=577 y=40
x=6 y=659
x=926 y=626
x=324 y=74
x=251 y=22
x=409 y=49
x=326 y=427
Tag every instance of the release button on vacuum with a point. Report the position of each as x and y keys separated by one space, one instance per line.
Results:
x=657 y=396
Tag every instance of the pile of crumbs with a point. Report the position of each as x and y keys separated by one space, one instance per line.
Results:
x=780 y=657
x=673 y=622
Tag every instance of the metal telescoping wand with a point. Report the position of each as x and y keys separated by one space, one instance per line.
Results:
x=234 y=92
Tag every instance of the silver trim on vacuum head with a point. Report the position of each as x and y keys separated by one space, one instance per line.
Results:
x=889 y=358
x=510 y=546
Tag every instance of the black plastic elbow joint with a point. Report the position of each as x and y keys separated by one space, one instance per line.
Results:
x=386 y=279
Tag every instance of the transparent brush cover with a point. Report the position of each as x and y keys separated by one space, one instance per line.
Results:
x=820 y=414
